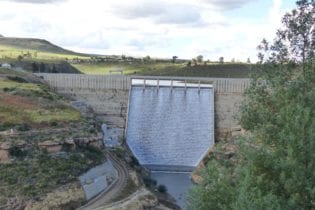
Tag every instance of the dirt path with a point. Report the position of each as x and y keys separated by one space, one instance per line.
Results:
x=109 y=194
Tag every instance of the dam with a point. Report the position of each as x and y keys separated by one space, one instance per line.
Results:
x=169 y=124
x=170 y=127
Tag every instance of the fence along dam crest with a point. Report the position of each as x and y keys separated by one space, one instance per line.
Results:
x=168 y=126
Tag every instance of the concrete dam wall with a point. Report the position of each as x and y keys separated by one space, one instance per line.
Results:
x=170 y=128
x=108 y=96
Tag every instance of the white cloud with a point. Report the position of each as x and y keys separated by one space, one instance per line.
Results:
x=159 y=28
x=36 y=1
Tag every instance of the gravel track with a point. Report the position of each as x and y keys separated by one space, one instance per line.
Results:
x=113 y=190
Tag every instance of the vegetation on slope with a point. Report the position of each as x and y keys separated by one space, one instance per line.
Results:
x=26 y=102
x=35 y=115
x=9 y=45
x=275 y=163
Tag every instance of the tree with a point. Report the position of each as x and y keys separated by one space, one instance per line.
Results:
x=221 y=60
x=275 y=163
x=174 y=59
x=35 y=67
x=195 y=62
x=248 y=60
x=20 y=57
x=54 y=69
x=199 y=58
x=147 y=58
x=162 y=189
x=42 y=67
x=233 y=60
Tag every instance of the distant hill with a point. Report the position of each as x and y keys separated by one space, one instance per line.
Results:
x=1 y=36
x=35 y=44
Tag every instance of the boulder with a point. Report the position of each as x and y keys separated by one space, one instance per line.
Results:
x=5 y=152
x=70 y=144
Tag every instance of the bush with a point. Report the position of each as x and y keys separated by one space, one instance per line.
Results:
x=162 y=188
x=5 y=126
x=6 y=89
x=93 y=153
x=23 y=127
x=134 y=162
x=54 y=123
x=92 y=130
x=17 y=79
x=17 y=152
x=149 y=182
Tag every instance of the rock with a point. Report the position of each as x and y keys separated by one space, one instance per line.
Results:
x=133 y=176
x=6 y=145
x=21 y=144
x=5 y=152
x=237 y=128
x=70 y=144
x=50 y=146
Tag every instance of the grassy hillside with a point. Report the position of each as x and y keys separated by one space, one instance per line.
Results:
x=23 y=102
x=31 y=53
x=231 y=70
x=34 y=49
x=30 y=115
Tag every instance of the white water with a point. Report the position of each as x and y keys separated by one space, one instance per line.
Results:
x=170 y=128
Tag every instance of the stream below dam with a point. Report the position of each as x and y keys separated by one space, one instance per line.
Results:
x=177 y=184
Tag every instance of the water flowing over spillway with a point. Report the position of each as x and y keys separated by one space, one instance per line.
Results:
x=170 y=128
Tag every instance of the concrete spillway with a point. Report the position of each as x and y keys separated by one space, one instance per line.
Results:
x=170 y=128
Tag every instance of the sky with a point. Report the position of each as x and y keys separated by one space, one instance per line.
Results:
x=158 y=28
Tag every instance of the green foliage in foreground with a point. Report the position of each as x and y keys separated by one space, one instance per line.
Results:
x=276 y=161
x=276 y=168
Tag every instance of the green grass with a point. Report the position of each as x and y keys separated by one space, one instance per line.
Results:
x=11 y=53
x=229 y=70
x=55 y=115
x=19 y=86
x=30 y=103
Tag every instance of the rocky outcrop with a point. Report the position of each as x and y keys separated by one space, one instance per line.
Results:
x=54 y=146
x=69 y=144
x=95 y=141
x=50 y=146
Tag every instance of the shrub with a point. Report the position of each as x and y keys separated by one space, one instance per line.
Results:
x=134 y=162
x=17 y=152
x=162 y=188
x=17 y=79
x=54 y=123
x=7 y=89
x=23 y=127
x=149 y=182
